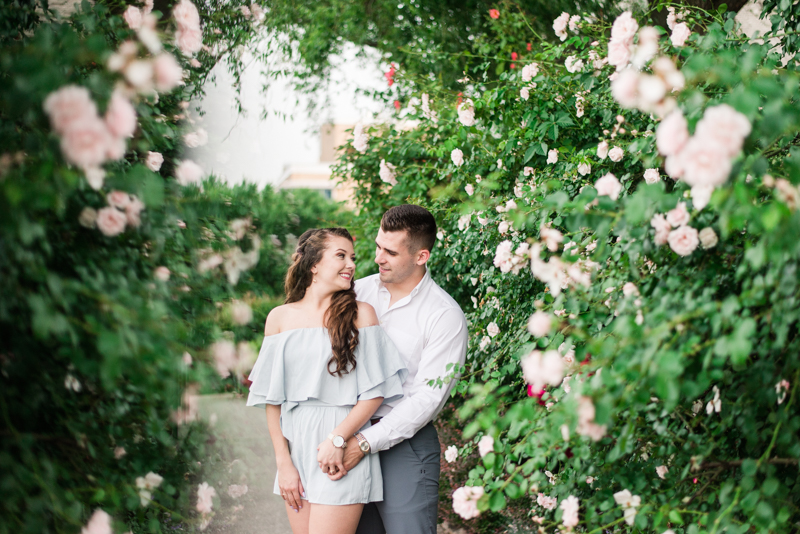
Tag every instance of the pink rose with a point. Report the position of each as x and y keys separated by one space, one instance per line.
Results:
x=118 y=199
x=205 y=493
x=573 y=64
x=161 y=273
x=111 y=221
x=539 y=324
x=465 y=501
x=525 y=93
x=95 y=176
x=705 y=162
x=570 y=506
x=120 y=116
x=154 y=161
x=190 y=41
x=539 y=369
x=133 y=17
x=701 y=194
x=67 y=105
x=560 y=26
x=625 y=88
x=708 y=237
x=457 y=156
x=672 y=134
x=186 y=15
x=85 y=142
x=602 y=150
x=662 y=228
x=652 y=90
x=99 y=523
x=469 y=189
x=584 y=169
x=552 y=156
x=188 y=172
x=133 y=212
x=680 y=32
x=485 y=445
x=87 y=217
x=115 y=148
x=529 y=72
x=678 y=216
x=139 y=74
x=673 y=166
x=624 y=28
x=651 y=176
x=225 y=359
x=725 y=125
x=167 y=72
x=683 y=240
x=619 y=54
x=616 y=154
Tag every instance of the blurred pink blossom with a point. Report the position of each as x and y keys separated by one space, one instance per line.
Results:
x=560 y=26
x=678 y=216
x=570 y=506
x=616 y=154
x=120 y=116
x=188 y=172
x=111 y=221
x=662 y=227
x=457 y=157
x=167 y=73
x=705 y=162
x=680 y=32
x=133 y=211
x=190 y=41
x=485 y=445
x=548 y=503
x=539 y=369
x=86 y=142
x=608 y=186
x=683 y=240
x=624 y=28
x=118 y=199
x=726 y=126
x=602 y=150
x=465 y=501
x=539 y=323
x=67 y=105
x=205 y=494
x=154 y=161
x=672 y=134
x=99 y=523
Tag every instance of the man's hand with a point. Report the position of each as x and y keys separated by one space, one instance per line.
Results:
x=352 y=455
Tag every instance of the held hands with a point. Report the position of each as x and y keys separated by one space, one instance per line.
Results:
x=290 y=485
x=330 y=458
x=352 y=455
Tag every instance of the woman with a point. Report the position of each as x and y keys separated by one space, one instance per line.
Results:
x=324 y=368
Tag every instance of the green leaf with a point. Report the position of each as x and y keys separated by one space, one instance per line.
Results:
x=497 y=501
x=675 y=517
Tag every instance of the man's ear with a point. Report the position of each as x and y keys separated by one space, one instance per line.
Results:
x=423 y=256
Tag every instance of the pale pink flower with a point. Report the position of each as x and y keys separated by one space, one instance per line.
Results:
x=161 y=273
x=630 y=289
x=624 y=28
x=647 y=47
x=537 y=519
x=570 y=506
x=148 y=7
x=619 y=54
x=529 y=72
x=457 y=157
x=625 y=88
x=492 y=329
x=662 y=227
x=118 y=199
x=154 y=161
x=574 y=23
x=552 y=156
x=608 y=186
x=195 y=63
x=225 y=358
x=86 y=142
x=651 y=176
x=551 y=237
x=715 y=404
x=237 y=490
x=119 y=452
x=705 y=162
x=87 y=217
x=539 y=323
x=602 y=150
x=387 y=173
x=95 y=176
x=560 y=26
x=115 y=149
x=573 y=64
x=503 y=227
x=683 y=240
x=726 y=126
x=781 y=389
x=708 y=237
x=188 y=172
x=186 y=15
x=167 y=73
x=120 y=116
x=678 y=216
x=186 y=359
x=258 y=12
x=133 y=17
x=99 y=523
x=616 y=154
x=672 y=134
x=673 y=166
x=205 y=494
x=469 y=189
x=139 y=74
x=451 y=454
x=584 y=169
x=586 y=424
x=466 y=113
x=111 y=221
x=629 y=503
x=241 y=313
x=652 y=91
x=360 y=138
x=465 y=501
x=680 y=32
x=525 y=93
x=548 y=503
x=662 y=470
x=701 y=195
x=485 y=445
x=189 y=41
x=245 y=11
x=527 y=171
x=133 y=211
x=539 y=369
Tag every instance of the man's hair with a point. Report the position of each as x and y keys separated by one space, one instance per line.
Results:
x=416 y=221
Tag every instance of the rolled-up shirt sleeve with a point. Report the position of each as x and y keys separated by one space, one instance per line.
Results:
x=446 y=344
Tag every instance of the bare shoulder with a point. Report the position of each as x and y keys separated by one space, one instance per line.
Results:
x=366 y=315
x=275 y=320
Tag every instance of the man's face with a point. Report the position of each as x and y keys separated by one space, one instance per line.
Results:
x=393 y=256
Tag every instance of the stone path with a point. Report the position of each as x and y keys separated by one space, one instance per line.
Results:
x=244 y=432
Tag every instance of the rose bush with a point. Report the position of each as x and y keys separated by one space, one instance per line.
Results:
x=116 y=277
x=634 y=193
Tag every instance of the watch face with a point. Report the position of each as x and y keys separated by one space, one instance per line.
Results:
x=364 y=446
x=338 y=441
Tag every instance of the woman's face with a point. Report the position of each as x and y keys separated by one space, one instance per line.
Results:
x=337 y=267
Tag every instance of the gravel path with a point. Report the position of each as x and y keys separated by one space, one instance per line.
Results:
x=244 y=432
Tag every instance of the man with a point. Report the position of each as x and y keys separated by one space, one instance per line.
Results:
x=430 y=331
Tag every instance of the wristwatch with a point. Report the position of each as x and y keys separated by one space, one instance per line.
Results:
x=338 y=441
x=363 y=444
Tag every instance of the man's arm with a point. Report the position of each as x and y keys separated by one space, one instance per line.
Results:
x=447 y=344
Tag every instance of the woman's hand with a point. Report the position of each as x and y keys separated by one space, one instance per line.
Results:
x=330 y=458
x=290 y=485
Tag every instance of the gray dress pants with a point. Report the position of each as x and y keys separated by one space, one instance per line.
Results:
x=410 y=488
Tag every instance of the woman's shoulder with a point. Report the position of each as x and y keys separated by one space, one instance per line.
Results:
x=366 y=315
x=275 y=319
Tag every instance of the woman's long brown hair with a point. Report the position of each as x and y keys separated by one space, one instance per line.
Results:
x=340 y=317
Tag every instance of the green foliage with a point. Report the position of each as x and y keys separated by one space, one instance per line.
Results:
x=649 y=359
x=91 y=339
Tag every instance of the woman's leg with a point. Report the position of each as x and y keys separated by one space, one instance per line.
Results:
x=299 y=520
x=327 y=519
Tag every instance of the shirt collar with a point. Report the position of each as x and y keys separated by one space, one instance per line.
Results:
x=426 y=278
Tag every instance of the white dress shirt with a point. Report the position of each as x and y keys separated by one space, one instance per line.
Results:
x=430 y=331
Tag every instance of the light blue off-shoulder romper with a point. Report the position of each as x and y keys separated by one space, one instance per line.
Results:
x=291 y=371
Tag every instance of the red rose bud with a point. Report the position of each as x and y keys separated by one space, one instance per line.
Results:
x=397 y=105
x=494 y=13
x=529 y=47
x=514 y=56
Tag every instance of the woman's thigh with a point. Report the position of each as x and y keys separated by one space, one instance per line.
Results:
x=299 y=520
x=329 y=519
